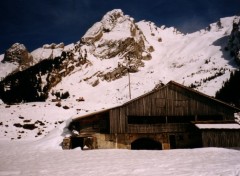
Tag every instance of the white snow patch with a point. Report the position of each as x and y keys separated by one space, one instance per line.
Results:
x=218 y=126
x=6 y=68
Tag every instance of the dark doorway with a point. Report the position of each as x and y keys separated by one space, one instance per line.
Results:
x=146 y=144
x=172 y=139
x=77 y=142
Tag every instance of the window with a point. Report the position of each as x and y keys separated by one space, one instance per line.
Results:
x=146 y=119
x=180 y=119
x=209 y=117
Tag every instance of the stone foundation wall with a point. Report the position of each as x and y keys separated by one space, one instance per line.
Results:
x=123 y=141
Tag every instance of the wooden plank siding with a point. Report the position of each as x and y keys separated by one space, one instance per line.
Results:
x=158 y=128
x=96 y=123
x=170 y=100
x=118 y=120
x=220 y=138
x=167 y=115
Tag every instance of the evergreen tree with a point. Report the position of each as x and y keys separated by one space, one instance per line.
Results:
x=230 y=91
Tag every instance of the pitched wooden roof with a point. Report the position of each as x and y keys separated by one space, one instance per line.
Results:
x=186 y=88
x=204 y=95
x=92 y=113
x=155 y=90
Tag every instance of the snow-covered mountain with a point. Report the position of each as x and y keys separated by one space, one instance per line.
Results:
x=94 y=73
x=152 y=54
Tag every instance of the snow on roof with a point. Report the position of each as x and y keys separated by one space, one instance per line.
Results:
x=218 y=126
x=91 y=114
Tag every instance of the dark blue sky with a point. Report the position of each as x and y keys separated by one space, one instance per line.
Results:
x=37 y=22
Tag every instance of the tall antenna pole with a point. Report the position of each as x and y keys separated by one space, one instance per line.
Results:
x=129 y=85
x=129 y=81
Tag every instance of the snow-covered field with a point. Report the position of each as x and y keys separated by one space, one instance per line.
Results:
x=26 y=159
x=43 y=156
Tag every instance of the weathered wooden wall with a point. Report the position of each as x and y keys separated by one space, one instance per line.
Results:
x=159 y=115
x=170 y=100
x=221 y=138
x=158 y=128
x=98 y=123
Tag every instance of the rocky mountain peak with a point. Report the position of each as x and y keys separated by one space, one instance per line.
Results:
x=18 y=53
x=113 y=21
x=111 y=18
x=116 y=37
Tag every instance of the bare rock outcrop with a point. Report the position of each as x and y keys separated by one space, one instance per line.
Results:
x=116 y=37
x=18 y=53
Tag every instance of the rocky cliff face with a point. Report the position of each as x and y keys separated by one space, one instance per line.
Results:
x=19 y=54
x=35 y=83
x=116 y=36
x=116 y=39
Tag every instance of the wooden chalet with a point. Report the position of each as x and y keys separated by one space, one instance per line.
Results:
x=170 y=117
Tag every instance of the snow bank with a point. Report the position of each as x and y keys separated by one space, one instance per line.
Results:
x=54 y=139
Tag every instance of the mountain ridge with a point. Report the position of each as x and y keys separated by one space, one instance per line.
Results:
x=117 y=45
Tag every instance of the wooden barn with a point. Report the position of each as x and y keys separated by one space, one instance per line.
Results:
x=173 y=116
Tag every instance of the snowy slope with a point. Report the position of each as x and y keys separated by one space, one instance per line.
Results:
x=198 y=60
x=192 y=58
x=50 y=51
x=6 y=68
